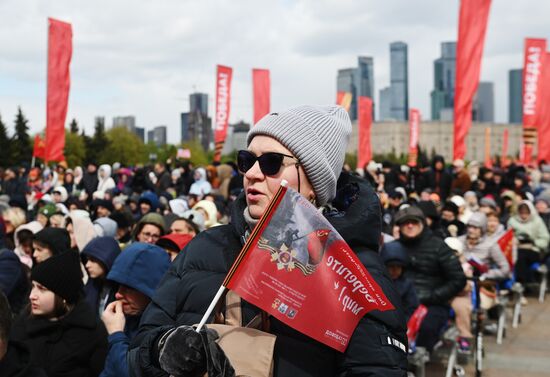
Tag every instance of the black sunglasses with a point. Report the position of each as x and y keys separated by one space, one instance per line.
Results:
x=270 y=162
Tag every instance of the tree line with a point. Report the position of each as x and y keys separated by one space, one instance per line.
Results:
x=116 y=144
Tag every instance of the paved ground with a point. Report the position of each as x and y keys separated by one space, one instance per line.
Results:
x=525 y=351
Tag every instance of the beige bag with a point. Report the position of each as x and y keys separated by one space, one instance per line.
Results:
x=249 y=350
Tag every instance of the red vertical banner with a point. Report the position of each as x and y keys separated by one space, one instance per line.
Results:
x=223 y=106
x=364 y=149
x=60 y=50
x=472 y=25
x=534 y=53
x=504 y=156
x=487 y=160
x=414 y=134
x=543 y=112
x=262 y=93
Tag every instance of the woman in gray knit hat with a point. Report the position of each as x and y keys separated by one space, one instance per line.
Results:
x=306 y=146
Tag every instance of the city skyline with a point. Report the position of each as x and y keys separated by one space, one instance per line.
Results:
x=148 y=64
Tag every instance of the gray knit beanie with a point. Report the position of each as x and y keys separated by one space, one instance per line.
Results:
x=317 y=136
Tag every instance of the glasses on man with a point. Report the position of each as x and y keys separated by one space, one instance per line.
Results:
x=270 y=162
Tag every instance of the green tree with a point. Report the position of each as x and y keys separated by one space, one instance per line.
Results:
x=73 y=126
x=22 y=150
x=98 y=144
x=5 y=145
x=124 y=147
x=75 y=150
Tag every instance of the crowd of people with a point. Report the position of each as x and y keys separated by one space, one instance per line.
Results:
x=104 y=269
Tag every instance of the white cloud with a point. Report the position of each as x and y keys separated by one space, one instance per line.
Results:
x=145 y=58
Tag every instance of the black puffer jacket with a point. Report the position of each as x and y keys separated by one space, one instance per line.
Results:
x=73 y=346
x=191 y=283
x=434 y=269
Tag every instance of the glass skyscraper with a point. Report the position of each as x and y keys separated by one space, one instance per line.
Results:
x=399 y=85
x=484 y=103
x=515 y=110
x=346 y=83
x=365 y=78
x=444 y=80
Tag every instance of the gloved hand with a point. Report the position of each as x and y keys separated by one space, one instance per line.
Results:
x=183 y=352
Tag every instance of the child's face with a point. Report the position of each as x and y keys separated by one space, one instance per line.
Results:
x=395 y=271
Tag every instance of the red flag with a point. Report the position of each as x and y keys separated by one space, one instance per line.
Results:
x=414 y=323
x=296 y=266
x=364 y=149
x=223 y=106
x=262 y=89
x=344 y=99
x=472 y=25
x=39 y=148
x=488 y=162
x=534 y=54
x=505 y=137
x=544 y=112
x=506 y=243
x=414 y=134
x=60 y=49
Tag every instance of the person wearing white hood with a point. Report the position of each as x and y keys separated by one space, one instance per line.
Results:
x=106 y=182
x=201 y=187
x=532 y=237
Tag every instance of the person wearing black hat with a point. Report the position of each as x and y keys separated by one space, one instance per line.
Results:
x=103 y=207
x=452 y=226
x=49 y=242
x=61 y=331
x=435 y=271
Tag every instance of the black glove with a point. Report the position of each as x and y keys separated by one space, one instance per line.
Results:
x=183 y=352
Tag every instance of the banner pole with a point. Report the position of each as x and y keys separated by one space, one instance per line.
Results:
x=210 y=308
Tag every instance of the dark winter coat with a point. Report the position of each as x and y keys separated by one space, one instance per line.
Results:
x=13 y=280
x=73 y=346
x=196 y=274
x=17 y=362
x=140 y=266
x=438 y=180
x=395 y=253
x=89 y=183
x=435 y=269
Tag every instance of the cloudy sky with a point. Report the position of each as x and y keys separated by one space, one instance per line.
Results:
x=144 y=58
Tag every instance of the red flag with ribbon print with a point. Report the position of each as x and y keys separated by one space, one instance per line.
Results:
x=535 y=50
x=296 y=266
x=364 y=149
x=60 y=48
x=223 y=106
x=262 y=88
x=414 y=133
x=472 y=24
x=506 y=243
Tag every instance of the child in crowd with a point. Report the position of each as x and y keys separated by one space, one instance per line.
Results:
x=396 y=260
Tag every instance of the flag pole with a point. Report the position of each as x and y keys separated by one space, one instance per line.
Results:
x=246 y=247
x=210 y=308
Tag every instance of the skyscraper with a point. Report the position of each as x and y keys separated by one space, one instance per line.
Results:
x=157 y=135
x=442 y=96
x=385 y=103
x=198 y=102
x=515 y=110
x=484 y=103
x=125 y=121
x=345 y=82
x=399 y=85
x=365 y=79
x=196 y=125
